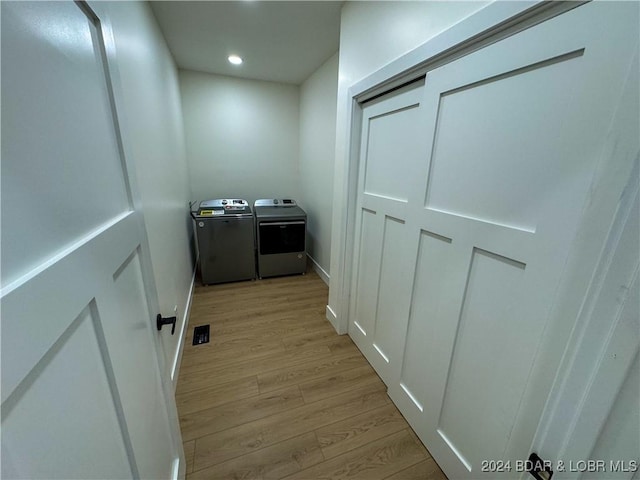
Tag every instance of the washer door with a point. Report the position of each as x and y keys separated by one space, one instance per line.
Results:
x=226 y=248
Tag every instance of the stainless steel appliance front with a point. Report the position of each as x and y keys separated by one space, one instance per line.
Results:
x=281 y=228
x=225 y=240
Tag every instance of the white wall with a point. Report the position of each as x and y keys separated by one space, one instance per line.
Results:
x=153 y=126
x=372 y=34
x=317 y=153
x=241 y=137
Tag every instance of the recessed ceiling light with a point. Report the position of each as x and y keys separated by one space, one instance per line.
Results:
x=235 y=59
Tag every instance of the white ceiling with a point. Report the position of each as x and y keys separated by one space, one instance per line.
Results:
x=279 y=41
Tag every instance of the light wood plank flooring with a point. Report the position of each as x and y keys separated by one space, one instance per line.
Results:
x=277 y=394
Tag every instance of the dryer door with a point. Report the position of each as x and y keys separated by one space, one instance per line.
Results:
x=282 y=237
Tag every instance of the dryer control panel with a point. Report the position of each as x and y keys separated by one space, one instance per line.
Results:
x=275 y=202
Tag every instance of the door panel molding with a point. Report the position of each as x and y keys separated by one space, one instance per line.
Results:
x=22 y=319
x=384 y=235
x=494 y=22
x=512 y=246
x=80 y=352
x=101 y=10
x=61 y=316
x=491 y=24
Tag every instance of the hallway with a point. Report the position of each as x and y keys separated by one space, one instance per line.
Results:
x=276 y=393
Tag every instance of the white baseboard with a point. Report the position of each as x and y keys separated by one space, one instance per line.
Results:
x=322 y=273
x=332 y=317
x=187 y=312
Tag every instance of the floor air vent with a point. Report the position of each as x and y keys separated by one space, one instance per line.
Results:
x=201 y=335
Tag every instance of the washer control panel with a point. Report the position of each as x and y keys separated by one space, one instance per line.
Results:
x=223 y=206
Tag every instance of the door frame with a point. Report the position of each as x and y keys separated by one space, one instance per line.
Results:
x=100 y=12
x=493 y=23
x=602 y=346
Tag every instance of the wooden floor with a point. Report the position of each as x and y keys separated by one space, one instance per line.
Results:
x=277 y=394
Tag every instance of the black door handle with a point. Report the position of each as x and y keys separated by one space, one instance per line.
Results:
x=166 y=321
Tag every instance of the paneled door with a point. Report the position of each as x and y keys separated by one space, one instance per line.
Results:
x=393 y=149
x=82 y=393
x=471 y=192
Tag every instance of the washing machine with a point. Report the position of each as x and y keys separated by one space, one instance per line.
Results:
x=225 y=237
x=281 y=231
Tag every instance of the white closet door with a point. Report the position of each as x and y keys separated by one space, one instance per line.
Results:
x=393 y=148
x=82 y=394
x=454 y=285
